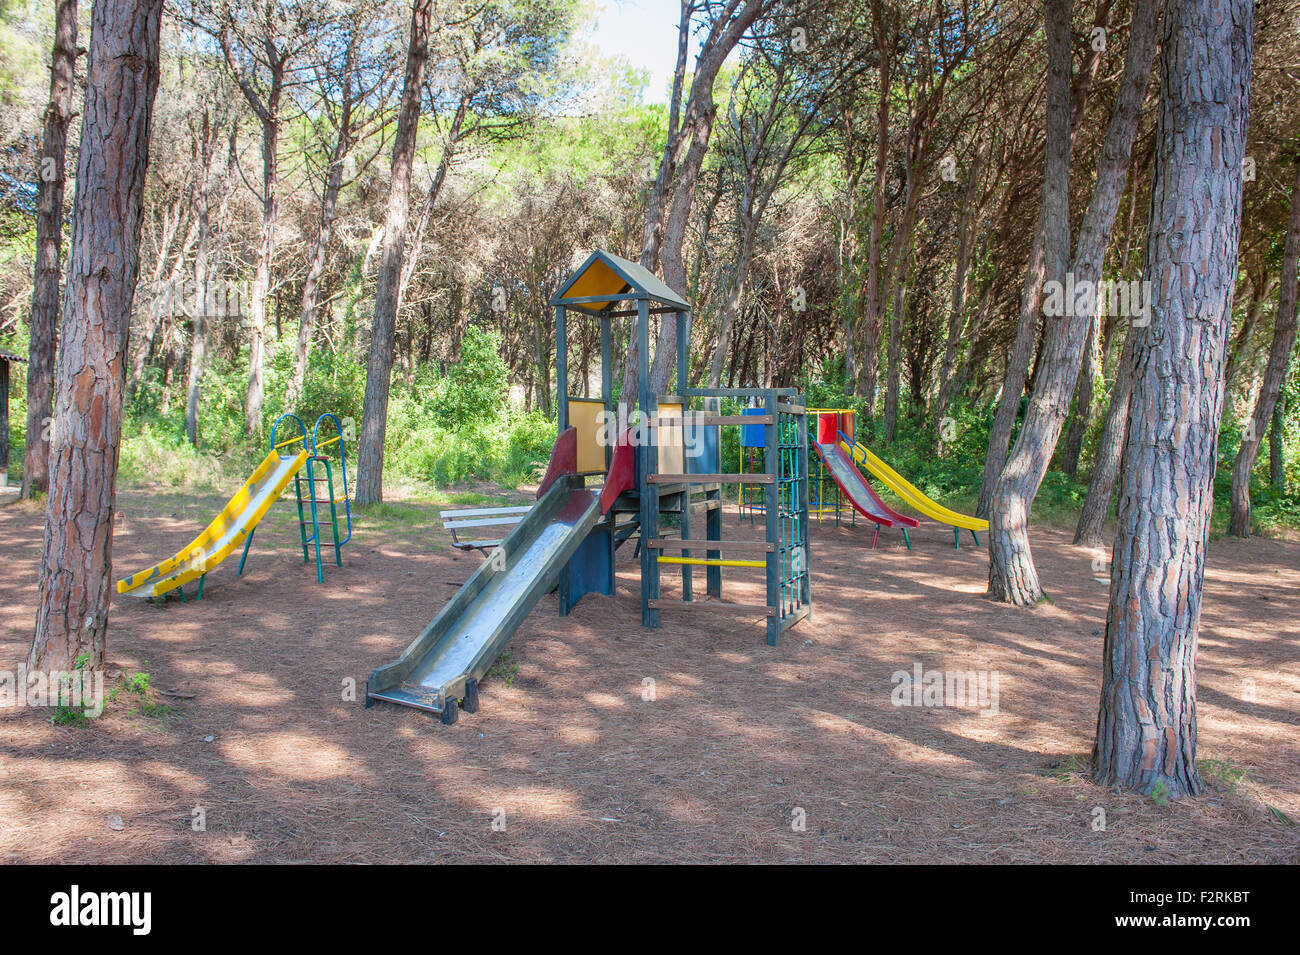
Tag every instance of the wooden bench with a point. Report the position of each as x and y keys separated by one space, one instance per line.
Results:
x=457 y=521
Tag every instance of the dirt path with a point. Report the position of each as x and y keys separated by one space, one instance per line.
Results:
x=740 y=741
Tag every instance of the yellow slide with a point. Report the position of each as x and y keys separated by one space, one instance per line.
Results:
x=228 y=531
x=903 y=488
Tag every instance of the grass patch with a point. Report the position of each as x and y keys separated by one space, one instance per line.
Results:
x=505 y=669
x=1225 y=772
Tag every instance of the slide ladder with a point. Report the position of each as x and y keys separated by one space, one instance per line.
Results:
x=311 y=504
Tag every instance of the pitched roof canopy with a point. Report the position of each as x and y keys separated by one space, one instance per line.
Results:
x=604 y=274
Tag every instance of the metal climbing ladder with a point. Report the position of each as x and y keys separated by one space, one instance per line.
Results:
x=305 y=489
x=312 y=502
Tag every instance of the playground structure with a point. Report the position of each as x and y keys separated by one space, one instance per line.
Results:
x=661 y=463
x=239 y=519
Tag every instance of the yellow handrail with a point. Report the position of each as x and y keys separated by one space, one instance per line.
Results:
x=712 y=562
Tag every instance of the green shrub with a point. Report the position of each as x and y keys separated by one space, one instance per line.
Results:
x=474 y=391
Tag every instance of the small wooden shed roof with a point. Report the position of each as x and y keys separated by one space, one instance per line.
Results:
x=11 y=356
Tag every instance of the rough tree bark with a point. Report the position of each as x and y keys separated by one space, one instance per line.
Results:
x=1277 y=446
x=1085 y=397
x=103 y=264
x=1048 y=262
x=44 y=323
x=1110 y=448
x=379 y=364
x=867 y=344
x=1279 y=358
x=1012 y=575
x=316 y=267
x=1146 y=722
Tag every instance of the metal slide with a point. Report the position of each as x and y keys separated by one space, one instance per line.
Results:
x=856 y=488
x=909 y=493
x=228 y=530
x=445 y=662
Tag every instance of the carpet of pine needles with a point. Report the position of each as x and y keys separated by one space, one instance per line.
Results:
x=247 y=724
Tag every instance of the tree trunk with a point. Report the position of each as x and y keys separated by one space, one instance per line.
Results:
x=1146 y=722
x=957 y=308
x=896 y=322
x=49 y=243
x=1031 y=300
x=680 y=168
x=1012 y=575
x=1110 y=448
x=103 y=264
x=311 y=284
x=1279 y=357
x=202 y=282
x=265 y=257
x=379 y=365
x=1017 y=371
x=1260 y=290
x=1085 y=397
x=1277 y=446
x=698 y=126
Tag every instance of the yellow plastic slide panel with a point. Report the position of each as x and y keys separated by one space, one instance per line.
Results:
x=227 y=531
x=908 y=492
x=586 y=414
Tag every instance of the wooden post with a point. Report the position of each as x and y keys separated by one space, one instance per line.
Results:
x=682 y=367
x=607 y=384
x=805 y=586
x=561 y=372
x=772 y=513
x=713 y=516
x=648 y=458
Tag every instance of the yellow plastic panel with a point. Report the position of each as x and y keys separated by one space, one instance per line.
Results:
x=672 y=457
x=586 y=415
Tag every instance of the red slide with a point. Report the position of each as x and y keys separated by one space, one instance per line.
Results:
x=564 y=460
x=852 y=483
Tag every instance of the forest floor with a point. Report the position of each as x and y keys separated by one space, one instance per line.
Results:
x=740 y=743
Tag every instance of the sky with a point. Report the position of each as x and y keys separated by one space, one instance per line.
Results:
x=644 y=32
